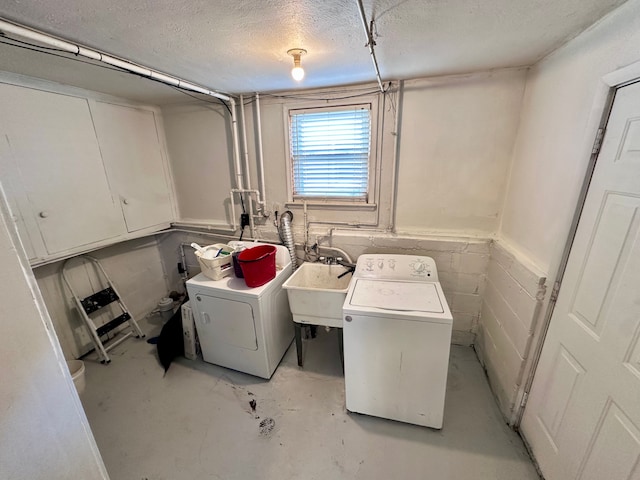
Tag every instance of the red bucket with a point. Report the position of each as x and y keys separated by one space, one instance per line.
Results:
x=258 y=264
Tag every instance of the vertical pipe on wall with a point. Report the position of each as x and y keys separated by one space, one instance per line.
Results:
x=247 y=180
x=306 y=226
x=237 y=167
x=247 y=173
x=236 y=145
x=396 y=154
x=263 y=190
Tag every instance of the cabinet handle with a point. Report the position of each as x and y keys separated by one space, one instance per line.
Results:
x=125 y=201
x=43 y=214
x=348 y=318
x=206 y=319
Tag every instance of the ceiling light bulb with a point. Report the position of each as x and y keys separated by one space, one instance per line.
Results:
x=297 y=72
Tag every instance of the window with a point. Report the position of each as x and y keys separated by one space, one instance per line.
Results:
x=330 y=149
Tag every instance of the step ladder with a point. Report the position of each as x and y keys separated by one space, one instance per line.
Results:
x=97 y=301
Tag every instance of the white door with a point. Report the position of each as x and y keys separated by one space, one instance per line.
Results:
x=583 y=416
x=134 y=162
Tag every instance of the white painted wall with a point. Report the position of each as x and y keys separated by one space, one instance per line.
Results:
x=200 y=146
x=199 y=143
x=456 y=142
x=44 y=433
x=456 y=138
x=562 y=106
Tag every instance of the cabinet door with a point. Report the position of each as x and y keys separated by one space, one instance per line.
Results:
x=134 y=161
x=20 y=210
x=51 y=140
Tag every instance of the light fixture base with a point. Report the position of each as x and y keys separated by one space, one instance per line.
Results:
x=296 y=52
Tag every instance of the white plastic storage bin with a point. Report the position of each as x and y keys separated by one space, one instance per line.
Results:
x=76 y=369
x=218 y=267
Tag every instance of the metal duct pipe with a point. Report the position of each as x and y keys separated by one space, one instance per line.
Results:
x=13 y=29
x=287 y=237
x=370 y=43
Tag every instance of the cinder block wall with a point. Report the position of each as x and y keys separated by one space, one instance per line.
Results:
x=511 y=308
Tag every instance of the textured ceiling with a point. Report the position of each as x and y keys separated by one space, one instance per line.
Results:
x=240 y=46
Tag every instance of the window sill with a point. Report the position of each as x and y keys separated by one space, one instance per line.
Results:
x=329 y=205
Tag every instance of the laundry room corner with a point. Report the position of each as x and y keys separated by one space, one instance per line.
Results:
x=135 y=266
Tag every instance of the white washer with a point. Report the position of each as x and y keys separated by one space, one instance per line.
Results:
x=397 y=336
x=242 y=328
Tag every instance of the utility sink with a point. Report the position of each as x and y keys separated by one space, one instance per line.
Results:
x=316 y=294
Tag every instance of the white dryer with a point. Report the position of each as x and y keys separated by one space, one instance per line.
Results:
x=242 y=328
x=397 y=336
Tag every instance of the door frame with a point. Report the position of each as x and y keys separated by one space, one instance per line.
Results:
x=598 y=119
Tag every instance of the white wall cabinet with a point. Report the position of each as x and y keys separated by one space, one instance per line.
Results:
x=53 y=155
x=80 y=173
x=132 y=152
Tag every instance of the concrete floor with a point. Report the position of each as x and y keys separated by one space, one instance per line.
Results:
x=197 y=423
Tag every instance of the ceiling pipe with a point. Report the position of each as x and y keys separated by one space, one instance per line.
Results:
x=370 y=43
x=13 y=29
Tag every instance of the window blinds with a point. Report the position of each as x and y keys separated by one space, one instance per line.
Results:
x=330 y=152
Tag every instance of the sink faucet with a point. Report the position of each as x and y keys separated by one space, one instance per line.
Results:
x=330 y=260
x=350 y=268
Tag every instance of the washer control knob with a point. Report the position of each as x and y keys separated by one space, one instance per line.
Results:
x=348 y=318
x=419 y=267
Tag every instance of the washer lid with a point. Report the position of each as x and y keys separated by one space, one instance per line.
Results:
x=398 y=296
